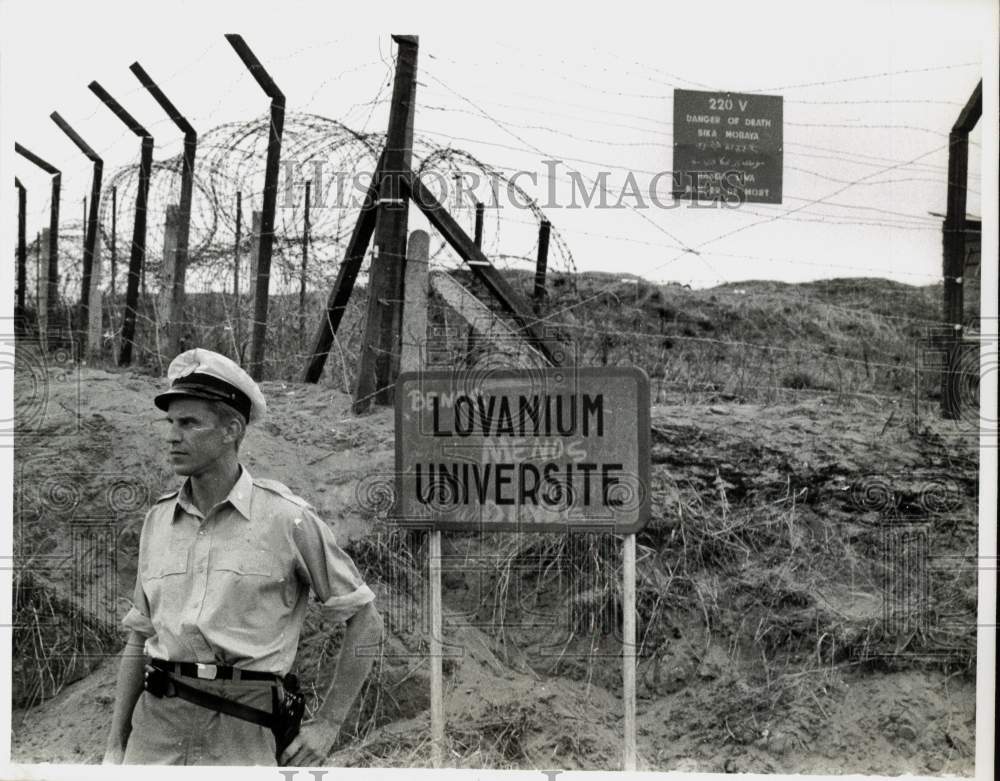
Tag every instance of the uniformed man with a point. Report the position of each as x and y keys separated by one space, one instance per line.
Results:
x=226 y=564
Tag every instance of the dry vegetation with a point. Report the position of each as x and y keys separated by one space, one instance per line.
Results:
x=787 y=462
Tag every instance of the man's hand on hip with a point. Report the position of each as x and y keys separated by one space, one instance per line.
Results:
x=312 y=745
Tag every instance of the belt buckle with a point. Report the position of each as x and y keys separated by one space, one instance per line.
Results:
x=207 y=671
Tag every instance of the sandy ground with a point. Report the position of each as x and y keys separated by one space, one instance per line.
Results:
x=90 y=450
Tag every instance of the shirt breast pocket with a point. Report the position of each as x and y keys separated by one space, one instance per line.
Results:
x=174 y=561
x=165 y=582
x=247 y=589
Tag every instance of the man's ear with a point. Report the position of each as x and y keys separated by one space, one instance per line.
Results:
x=232 y=430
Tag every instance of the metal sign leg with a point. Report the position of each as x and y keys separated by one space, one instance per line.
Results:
x=437 y=676
x=628 y=649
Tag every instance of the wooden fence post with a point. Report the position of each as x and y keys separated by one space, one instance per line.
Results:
x=414 y=347
x=255 y=223
x=168 y=272
x=380 y=353
x=305 y=264
x=95 y=311
x=44 y=299
x=237 y=313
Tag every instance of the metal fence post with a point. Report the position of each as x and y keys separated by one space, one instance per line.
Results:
x=91 y=229
x=176 y=307
x=954 y=250
x=52 y=276
x=22 y=255
x=138 y=254
x=541 y=264
x=270 y=199
x=477 y=238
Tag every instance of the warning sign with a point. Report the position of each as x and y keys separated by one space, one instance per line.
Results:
x=728 y=146
x=531 y=450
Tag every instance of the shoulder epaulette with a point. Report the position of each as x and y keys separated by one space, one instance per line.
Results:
x=282 y=490
x=166 y=496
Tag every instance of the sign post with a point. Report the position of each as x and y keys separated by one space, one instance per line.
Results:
x=628 y=650
x=436 y=651
x=532 y=450
x=728 y=146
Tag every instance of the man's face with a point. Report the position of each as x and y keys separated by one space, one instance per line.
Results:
x=195 y=438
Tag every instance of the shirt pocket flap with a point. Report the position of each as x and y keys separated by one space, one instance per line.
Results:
x=172 y=562
x=245 y=562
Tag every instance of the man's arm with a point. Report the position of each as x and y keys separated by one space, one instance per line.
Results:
x=127 y=690
x=364 y=628
x=315 y=740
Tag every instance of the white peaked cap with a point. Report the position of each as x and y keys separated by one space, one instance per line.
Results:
x=203 y=374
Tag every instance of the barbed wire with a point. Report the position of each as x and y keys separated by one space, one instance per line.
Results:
x=230 y=161
x=536 y=150
x=353 y=330
x=675 y=78
x=665 y=124
x=784 y=214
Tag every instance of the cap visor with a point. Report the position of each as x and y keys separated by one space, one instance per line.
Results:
x=163 y=400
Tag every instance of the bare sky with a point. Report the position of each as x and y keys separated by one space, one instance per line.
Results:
x=870 y=91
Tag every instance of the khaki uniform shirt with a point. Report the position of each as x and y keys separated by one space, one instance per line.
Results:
x=231 y=587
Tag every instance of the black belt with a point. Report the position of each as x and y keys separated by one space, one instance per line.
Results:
x=283 y=719
x=213 y=672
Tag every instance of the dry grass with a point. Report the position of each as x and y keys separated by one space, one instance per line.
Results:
x=750 y=341
x=54 y=642
x=498 y=738
x=752 y=577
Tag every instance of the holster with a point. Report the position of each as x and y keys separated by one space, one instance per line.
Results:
x=157 y=682
x=288 y=712
x=284 y=720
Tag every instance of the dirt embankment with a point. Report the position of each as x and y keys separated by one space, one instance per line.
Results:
x=764 y=580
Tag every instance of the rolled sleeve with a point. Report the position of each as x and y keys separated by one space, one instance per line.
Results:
x=342 y=608
x=330 y=572
x=139 y=623
x=137 y=618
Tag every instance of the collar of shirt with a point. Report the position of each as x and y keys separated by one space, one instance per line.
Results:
x=238 y=496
